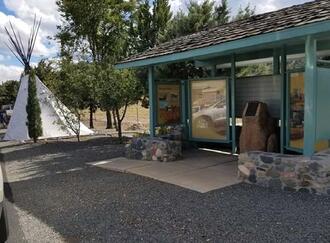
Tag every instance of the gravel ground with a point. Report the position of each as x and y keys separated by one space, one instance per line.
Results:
x=60 y=198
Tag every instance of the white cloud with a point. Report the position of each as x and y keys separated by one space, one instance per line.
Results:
x=9 y=72
x=267 y=6
x=24 y=11
x=261 y=6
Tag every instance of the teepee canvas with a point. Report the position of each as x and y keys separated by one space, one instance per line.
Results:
x=57 y=120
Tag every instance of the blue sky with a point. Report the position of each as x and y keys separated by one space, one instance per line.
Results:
x=21 y=13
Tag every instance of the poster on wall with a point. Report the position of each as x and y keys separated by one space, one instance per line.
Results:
x=168 y=97
x=297 y=107
x=209 y=109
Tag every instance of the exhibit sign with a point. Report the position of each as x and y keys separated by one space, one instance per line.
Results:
x=296 y=110
x=168 y=103
x=209 y=110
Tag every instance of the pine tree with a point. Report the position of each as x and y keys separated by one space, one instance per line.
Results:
x=222 y=13
x=33 y=109
x=144 y=26
x=161 y=16
x=152 y=23
x=244 y=13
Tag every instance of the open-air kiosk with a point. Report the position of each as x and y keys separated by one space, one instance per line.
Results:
x=294 y=40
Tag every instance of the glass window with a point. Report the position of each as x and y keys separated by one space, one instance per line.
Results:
x=296 y=110
x=209 y=109
x=168 y=99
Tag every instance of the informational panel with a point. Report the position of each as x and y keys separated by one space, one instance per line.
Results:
x=168 y=102
x=296 y=112
x=323 y=104
x=209 y=104
x=266 y=89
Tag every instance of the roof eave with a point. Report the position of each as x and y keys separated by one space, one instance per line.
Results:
x=232 y=46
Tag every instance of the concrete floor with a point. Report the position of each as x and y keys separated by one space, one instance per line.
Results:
x=200 y=171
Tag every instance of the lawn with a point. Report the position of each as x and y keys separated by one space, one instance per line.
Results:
x=136 y=119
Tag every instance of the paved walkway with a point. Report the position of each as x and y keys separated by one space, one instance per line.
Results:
x=199 y=171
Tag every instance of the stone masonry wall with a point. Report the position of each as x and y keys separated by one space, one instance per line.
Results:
x=287 y=172
x=154 y=149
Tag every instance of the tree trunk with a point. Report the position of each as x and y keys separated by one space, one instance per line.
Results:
x=109 y=120
x=120 y=135
x=114 y=119
x=91 y=111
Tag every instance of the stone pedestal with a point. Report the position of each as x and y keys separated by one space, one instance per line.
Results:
x=258 y=131
x=287 y=172
x=154 y=149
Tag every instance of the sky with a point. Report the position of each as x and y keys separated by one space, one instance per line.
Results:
x=21 y=14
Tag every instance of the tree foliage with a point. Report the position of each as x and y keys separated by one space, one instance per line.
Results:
x=8 y=92
x=94 y=27
x=95 y=31
x=222 y=13
x=245 y=12
x=33 y=110
x=151 y=23
x=118 y=90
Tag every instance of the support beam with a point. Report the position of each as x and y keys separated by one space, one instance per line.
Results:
x=310 y=96
x=284 y=119
x=184 y=107
x=276 y=62
x=152 y=103
x=213 y=70
x=233 y=103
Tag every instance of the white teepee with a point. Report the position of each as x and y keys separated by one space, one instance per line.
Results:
x=57 y=120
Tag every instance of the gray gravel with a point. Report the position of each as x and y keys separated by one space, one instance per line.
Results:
x=91 y=204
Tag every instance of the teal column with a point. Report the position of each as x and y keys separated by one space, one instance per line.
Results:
x=283 y=71
x=152 y=103
x=276 y=62
x=184 y=108
x=233 y=103
x=310 y=96
x=213 y=70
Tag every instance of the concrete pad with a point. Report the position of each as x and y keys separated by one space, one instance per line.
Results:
x=199 y=171
x=207 y=179
x=204 y=162
x=160 y=171
x=121 y=164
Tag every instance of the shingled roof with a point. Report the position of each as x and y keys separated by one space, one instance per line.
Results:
x=295 y=16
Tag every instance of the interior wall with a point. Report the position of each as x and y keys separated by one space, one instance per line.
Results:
x=265 y=89
x=323 y=101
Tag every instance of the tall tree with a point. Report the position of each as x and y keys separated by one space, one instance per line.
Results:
x=245 y=12
x=161 y=16
x=151 y=23
x=46 y=71
x=125 y=89
x=222 y=13
x=95 y=28
x=33 y=110
x=8 y=92
x=144 y=30
x=199 y=16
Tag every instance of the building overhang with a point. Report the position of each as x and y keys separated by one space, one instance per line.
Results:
x=296 y=35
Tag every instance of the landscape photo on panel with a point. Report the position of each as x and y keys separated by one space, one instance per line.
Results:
x=168 y=98
x=209 y=109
